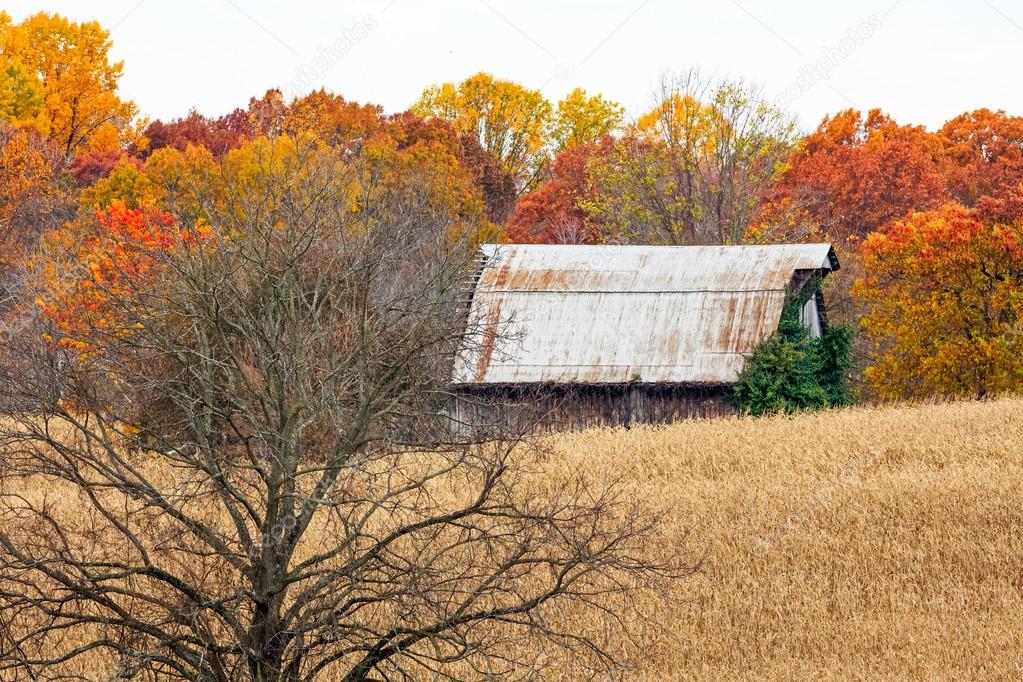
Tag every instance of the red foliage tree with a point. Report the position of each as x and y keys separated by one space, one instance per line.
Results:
x=1005 y=209
x=92 y=166
x=554 y=213
x=219 y=135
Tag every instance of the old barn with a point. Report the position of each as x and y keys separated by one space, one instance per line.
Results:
x=575 y=336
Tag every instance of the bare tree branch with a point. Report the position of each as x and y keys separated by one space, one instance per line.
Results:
x=230 y=493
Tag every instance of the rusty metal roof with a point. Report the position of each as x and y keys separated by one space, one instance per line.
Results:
x=615 y=314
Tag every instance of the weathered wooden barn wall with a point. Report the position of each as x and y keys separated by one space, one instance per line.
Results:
x=560 y=407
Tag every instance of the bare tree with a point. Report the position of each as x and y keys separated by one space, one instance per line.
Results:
x=698 y=166
x=253 y=476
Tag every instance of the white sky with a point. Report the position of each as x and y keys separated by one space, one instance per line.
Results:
x=924 y=61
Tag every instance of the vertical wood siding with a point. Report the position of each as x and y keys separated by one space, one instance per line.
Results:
x=567 y=407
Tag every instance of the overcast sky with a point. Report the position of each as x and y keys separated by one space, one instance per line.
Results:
x=921 y=60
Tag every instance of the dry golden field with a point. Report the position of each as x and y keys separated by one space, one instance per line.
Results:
x=859 y=544
x=856 y=544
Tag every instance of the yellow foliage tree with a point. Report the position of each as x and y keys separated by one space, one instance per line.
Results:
x=696 y=168
x=126 y=184
x=77 y=83
x=944 y=297
x=509 y=120
x=584 y=119
x=178 y=176
x=21 y=93
x=167 y=180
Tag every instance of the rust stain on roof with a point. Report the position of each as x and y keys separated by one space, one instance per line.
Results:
x=502 y=275
x=490 y=329
x=725 y=329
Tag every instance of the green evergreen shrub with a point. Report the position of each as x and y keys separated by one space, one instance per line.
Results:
x=792 y=371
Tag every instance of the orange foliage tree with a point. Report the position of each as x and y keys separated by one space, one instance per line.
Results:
x=983 y=154
x=944 y=297
x=333 y=119
x=492 y=180
x=99 y=264
x=856 y=173
x=34 y=196
x=70 y=77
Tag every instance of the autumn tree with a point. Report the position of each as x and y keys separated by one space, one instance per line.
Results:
x=332 y=118
x=695 y=168
x=35 y=195
x=77 y=82
x=983 y=154
x=267 y=113
x=118 y=251
x=557 y=211
x=126 y=183
x=585 y=119
x=944 y=297
x=428 y=175
x=90 y=167
x=219 y=135
x=856 y=173
x=355 y=127
x=235 y=495
x=509 y=121
x=496 y=184
x=21 y=93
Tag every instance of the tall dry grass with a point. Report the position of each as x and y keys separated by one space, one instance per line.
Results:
x=858 y=544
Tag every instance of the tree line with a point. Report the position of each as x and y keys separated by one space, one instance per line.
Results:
x=712 y=162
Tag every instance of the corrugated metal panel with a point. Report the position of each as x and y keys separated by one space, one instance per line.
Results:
x=613 y=314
